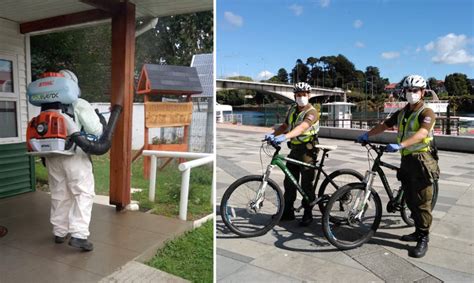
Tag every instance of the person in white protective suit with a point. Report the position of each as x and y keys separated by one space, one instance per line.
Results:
x=71 y=182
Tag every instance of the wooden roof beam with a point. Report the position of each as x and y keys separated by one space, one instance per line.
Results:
x=109 y=6
x=64 y=21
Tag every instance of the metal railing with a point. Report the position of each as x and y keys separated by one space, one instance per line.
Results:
x=185 y=168
x=443 y=125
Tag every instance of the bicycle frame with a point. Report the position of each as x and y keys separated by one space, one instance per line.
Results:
x=279 y=161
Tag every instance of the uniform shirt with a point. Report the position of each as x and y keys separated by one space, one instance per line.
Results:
x=426 y=118
x=310 y=117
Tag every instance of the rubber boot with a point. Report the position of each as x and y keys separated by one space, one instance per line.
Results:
x=421 y=247
x=83 y=244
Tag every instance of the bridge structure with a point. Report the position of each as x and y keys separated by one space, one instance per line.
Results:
x=282 y=91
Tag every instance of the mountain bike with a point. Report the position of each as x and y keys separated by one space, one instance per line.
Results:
x=354 y=212
x=253 y=204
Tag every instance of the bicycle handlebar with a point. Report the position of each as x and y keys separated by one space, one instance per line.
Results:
x=274 y=144
x=380 y=149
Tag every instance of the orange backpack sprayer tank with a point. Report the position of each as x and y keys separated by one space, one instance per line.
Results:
x=54 y=131
x=48 y=132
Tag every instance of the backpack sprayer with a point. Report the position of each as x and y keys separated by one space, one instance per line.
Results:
x=53 y=131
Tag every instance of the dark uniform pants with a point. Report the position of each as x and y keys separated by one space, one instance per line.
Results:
x=417 y=173
x=308 y=154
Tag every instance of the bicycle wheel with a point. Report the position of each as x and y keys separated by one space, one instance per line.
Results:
x=405 y=211
x=249 y=208
x=340 y=178
x=347 y=224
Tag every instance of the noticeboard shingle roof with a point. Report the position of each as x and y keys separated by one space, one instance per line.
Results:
x=168 y=79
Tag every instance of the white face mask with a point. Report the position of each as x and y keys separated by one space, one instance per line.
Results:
x=413 y=97
x=301 y=100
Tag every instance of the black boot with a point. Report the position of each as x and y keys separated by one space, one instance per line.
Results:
x=59 y=240
x=413 y=237
x=421 y=247
x=83 y=244
x=307 y=217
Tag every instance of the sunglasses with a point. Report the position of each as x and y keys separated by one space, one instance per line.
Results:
x=415 y=89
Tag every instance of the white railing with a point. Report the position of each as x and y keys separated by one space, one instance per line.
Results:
x=185 y=168
x=233 y=118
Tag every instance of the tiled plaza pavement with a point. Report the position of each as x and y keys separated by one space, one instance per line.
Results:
x=289 y=253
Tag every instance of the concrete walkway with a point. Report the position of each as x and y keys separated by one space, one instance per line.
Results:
x=289 y=253
x=28 y=253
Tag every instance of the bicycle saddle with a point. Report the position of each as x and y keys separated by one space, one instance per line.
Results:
x=326 y=147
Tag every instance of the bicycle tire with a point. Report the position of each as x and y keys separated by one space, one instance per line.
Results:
x=405 y=212
x=348 y=176
x=339 y=228
x=242 y=220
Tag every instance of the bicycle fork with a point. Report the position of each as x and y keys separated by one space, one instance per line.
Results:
x=261 y=190
x=359 y=206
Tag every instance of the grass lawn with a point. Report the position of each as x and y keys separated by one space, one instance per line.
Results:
x=189 y=256
x=167 y=191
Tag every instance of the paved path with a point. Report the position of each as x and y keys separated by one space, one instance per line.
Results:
x=290 y=253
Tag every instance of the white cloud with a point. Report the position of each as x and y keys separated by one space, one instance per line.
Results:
x=418 y=49
x=233 y=19
x=358 y=23
x=429 y=46
x=324 y=3
x=264 y=75
x=297 y=9
x=359 y=44
x=451 y=49
x=390 y=55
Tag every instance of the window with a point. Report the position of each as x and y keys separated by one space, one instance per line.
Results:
x=9 y=99
x=6 y=76
x=8 y=127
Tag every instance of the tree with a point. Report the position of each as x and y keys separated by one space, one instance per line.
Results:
x=300 y=72
x=87 y=51
x=175 y=39
x=457 y=84
x=282 y=75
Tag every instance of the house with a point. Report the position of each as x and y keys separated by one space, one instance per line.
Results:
x=21 y=19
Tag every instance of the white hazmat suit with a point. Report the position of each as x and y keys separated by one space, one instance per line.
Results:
x=71 y=180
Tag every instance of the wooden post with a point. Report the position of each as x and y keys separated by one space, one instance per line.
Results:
x=123 y=64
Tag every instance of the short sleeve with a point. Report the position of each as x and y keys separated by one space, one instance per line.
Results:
x=427 y=119
x=311 y=116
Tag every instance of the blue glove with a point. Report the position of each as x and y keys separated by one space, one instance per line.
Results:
x=393 y=147
x=269 y=137
x=280 y=138
x=363 y=138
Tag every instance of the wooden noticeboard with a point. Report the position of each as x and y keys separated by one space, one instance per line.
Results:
x=168 y=114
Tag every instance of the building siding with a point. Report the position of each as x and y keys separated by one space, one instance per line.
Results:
x=16 y=168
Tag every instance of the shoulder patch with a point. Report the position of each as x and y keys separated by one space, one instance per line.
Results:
x=427 y=120
x=310 y=117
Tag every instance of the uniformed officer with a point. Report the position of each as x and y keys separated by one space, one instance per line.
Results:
x=301 y=127
x=419 y=168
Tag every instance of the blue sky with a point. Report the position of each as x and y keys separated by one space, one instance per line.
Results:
x=432 y=38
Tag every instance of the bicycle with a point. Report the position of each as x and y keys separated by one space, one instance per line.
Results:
x=354 y=212
x=253 y=204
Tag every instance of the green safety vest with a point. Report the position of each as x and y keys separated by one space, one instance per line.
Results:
x=408 y=129
x=293 y=123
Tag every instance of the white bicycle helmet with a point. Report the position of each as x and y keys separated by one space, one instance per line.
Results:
x=414 y=81
x=301 y=87
x=69 y=75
